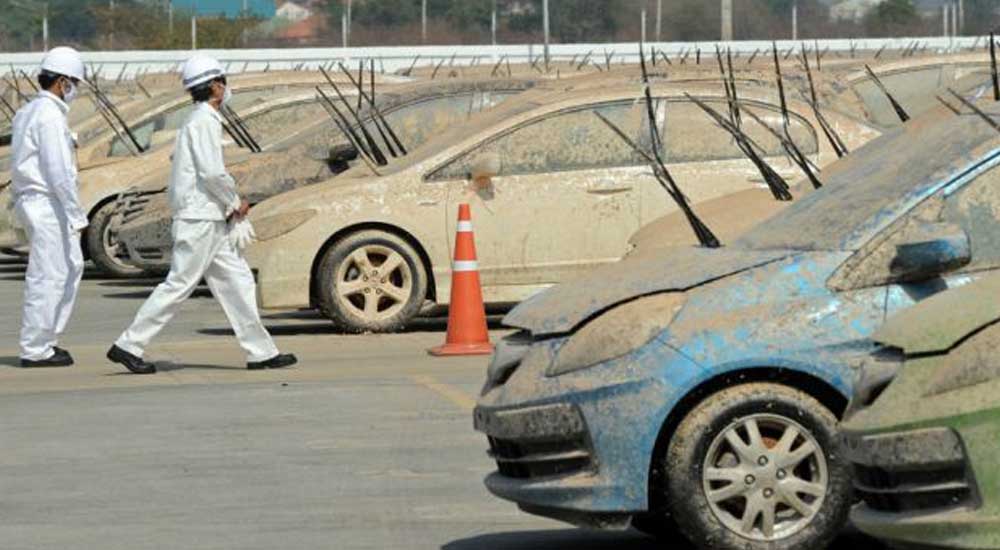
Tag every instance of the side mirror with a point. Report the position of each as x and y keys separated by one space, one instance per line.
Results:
x=484 y=168
x=929 y=250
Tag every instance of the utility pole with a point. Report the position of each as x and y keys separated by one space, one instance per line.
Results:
x=423 y=22
x=727 y=20
x=795 y=20
x=493 y=25
x=111 y=9
x=659 y=20
x=945 y=18
x=194 y=31
x=170 y=17
x=545 y=23
x=954 y=19
x=348 y=35
x=961 y=16
x=642 y=22
x=45 y=29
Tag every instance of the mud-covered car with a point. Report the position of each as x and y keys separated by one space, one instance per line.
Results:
x=924 y=423
x=109 y=163
x=558 y=194
x=415 y=112
x=704 y=384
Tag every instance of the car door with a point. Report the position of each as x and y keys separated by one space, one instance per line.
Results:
x=705 y=160
x=565 y=198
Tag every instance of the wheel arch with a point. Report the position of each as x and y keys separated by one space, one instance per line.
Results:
x=816 y=387
x=388 y=228
x=99 y=204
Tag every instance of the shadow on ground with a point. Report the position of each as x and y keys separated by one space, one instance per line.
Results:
x=315 y=324
x=170 y=366
x=581 y=539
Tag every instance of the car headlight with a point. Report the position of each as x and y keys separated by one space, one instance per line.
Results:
x=277 y=225
x=617 y=332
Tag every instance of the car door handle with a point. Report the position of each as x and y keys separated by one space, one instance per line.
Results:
x=608 y=187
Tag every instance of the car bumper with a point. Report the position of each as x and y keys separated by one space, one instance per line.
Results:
x=577 y=447
x=917 y=487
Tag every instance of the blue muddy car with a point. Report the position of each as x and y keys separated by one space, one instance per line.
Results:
x=700 y=389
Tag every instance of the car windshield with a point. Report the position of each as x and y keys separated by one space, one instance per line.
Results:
x=873 y=184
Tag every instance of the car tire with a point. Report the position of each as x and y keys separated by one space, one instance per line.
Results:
x=100 y=245
x=357 y=294
x=792 y=470
x=661 y=526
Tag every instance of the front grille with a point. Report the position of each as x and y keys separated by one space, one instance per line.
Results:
x=527 y=460
x=536 y=442
x=944 y=486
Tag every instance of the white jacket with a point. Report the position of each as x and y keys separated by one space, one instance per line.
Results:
x=43 y=161
x=200 y=186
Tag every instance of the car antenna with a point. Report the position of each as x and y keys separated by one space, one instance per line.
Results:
x=377 y=118
x=777 y=184
x=705 y=236
x=828 y=131
x=900 y=112
x=345 y=127
x=993 y=67
x=787 y=142
x=979 y=112
x=373 y=146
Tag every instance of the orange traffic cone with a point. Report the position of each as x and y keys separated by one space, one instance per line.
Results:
x=467 y=334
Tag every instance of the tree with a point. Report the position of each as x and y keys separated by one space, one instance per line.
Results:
x=892 y=17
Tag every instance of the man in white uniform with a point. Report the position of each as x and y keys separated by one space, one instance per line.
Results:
x=203 y=199
x=47 y=205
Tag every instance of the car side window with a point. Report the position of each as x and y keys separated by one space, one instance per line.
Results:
x=975 y=207
x=564 y=141
x=417 y=122
x=692 y=136
x=908 y=87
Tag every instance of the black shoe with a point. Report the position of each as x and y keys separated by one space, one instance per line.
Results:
x=279 y=361
x=61 y=358
x=129 y=361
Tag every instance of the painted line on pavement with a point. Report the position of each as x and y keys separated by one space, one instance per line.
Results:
x=449 y=392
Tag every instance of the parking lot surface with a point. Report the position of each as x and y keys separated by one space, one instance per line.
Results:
x=367 y=443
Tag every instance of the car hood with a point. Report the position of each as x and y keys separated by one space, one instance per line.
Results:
x=562 y=308
x=943 y=320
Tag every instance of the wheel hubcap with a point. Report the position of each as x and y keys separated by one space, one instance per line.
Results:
x=374 y=282
x=765 y=477
x=110 y=242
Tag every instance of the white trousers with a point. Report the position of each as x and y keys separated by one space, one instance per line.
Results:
x=55 y=267
x=202 y=250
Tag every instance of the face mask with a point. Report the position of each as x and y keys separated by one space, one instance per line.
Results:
x=70 y=94
x=226 y=96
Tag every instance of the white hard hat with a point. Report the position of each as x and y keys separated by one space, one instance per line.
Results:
x=199 y=70
x=64 y=61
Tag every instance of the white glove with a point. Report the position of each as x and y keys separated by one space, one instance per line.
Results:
x=241 y=234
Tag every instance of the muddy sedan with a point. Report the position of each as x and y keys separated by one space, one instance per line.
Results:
x=558 y=193
x=704 y=384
